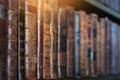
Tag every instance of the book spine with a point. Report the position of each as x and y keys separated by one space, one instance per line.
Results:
x=30 y=39
x=3 y=39
x=12 y=55
x=77 y=44
x=70 y=41
x=21 y=38
x=98 y=48
x=83 y=18
x=46 y=40
x=88 y=46
x=40 y=39
x=93 y=44
x=114 y=48
x=119 y=49
x=53 y=38
x=103 y=50
x=62 y=42
x=108 y=47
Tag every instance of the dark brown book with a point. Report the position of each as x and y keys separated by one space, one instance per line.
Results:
x=12 y=55
x=46 y=40
x=94 y=19
x=21 y=38
x=53 y=38
x=62 y=41
x=3 y=39
x=103 y=50
x=31 y=39
x=70 y=40
x=83 y=23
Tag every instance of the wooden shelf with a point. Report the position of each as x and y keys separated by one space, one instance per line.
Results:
x=104 y=8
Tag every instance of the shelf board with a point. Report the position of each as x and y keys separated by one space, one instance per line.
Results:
x=104 y=8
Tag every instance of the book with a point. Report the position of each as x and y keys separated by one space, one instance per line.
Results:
x=98 y=42
x=88 y=46
x=21 y=38
x=103 y=43
x=94 y=19
x=83 y=21
x=70 y=40
x=62 y=42
x=53 y=38
x=3 y=39
x=46 y=40
x=40 y=18
x=12 y=55
x=114 y=48
x=30 y=39
x=108 y=46
x=77 y=44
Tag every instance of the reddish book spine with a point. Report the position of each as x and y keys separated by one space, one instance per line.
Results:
x=30 y=39
x=12 y=55
x=70 y=41
x=93 y=44
x=103 y=50
x=83 y=23
x=88 y=46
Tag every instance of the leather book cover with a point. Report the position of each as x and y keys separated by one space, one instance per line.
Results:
x=46 y=40
x=53 y=38
x=62 y=42
x=70 y=40
x=103 y=43
x=83 y=23
x=88 y=46
x=21 y=39
x=3 y=39
x=94 y=19
x=40 y=18
x=98 y=42
x=31 y=39
x=12 y=56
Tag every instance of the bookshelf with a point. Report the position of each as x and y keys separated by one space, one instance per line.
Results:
x=92 y=6
x=104 y=8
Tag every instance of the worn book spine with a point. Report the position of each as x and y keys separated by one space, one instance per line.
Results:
x=114 y=48
x=76 y=44
x=62 y=42
x=53 y=38
x=3 y=39
x=12 y=55
x=103 y=50
x=119 y=49
x=83 y=22
x=94 y=19
x=70 y=41
x=30 y=39
x=88 y=46
x=108 y=46
x=40 y=40
x=21 y=38
x=46 y=40
x=98 y=49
